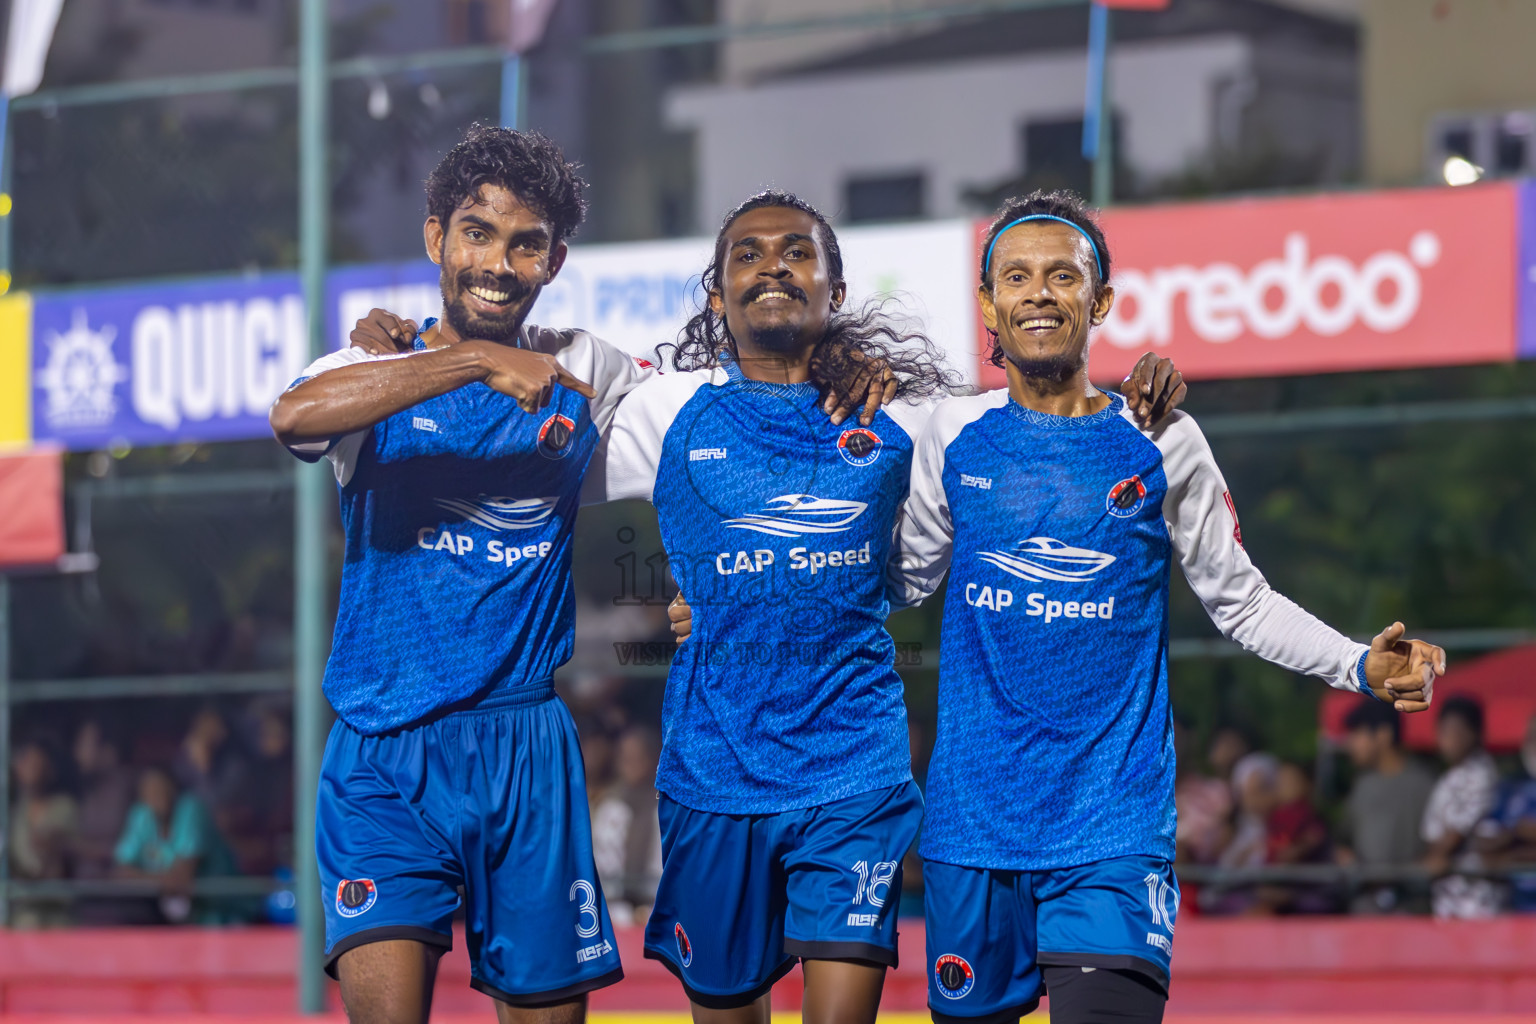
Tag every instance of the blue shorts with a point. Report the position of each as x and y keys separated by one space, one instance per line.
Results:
x=990 y=931
x=492 y=799
x=742 y=896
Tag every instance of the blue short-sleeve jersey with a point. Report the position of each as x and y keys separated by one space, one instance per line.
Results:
x=458 y=515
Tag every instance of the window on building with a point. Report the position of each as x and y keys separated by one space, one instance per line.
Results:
x=884 y=197
x=1500 y=143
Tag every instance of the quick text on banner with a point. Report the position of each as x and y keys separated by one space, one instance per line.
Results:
x=198 y=361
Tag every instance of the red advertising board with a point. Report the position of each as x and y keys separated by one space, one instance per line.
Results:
x=1276 y=287
x=31 y=508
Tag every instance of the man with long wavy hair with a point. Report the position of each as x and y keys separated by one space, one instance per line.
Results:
x=787 y=799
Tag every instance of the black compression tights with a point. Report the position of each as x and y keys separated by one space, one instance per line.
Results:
x=1103 y=997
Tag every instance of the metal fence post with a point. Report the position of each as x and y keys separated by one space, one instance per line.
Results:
x=310 y=510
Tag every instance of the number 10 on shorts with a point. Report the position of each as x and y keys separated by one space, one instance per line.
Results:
x=872 y=884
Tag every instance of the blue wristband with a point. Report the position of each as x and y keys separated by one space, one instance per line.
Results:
x=1365 y=687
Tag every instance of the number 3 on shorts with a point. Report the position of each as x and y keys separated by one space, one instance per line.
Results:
x=1159 y=893
x=588 y=909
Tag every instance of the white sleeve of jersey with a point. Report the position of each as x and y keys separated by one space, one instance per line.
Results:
x=611 y=372
x=1202 y=523
x=341 y=451
x=629 y=456
x=925 y=532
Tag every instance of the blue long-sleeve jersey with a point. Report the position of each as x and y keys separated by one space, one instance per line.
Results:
x=777 y=525
x=1055 y=741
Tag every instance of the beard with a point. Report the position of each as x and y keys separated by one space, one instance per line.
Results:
x=502 y=327
x=1055 y=369
x=781 y=338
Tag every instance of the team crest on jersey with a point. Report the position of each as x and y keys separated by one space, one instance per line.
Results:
x=557 y=436
x=684 y=947
x=859 y=446
x=355 y=896
x=953 y=975
x=1126 y=498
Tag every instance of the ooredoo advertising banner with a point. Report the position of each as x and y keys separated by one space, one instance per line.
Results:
x=1352 y=281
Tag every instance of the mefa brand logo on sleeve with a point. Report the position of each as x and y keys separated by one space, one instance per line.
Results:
x=705 y=454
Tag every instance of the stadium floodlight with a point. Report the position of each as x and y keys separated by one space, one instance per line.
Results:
x=1458 y=170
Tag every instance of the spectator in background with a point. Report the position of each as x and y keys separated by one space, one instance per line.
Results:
x=207 y=766
x=1461 y=799
x=105 y=788
x=170 y=837
x=1385 y=809
x=1228 y=746
x=259 y=818
x=1507 y=837
x=626 y=834
x=1253 y=784
x=1297 y=835
x=43 y=825
x=1204 y=805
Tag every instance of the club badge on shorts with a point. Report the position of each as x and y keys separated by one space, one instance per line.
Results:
x=684 y=947
x=953 y=975
x=355 y=896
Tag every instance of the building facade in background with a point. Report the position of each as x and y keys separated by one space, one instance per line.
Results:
x=1207 y=97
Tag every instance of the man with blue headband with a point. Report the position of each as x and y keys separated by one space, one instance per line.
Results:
x=1049 y=835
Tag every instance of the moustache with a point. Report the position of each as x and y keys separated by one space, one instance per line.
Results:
x=793 y=291
x=510 y=284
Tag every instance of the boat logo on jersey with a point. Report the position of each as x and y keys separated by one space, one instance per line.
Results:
x=502 y=513
x=1126 y=498
x=859 y=446
x=684 y=947
x=1044 y=558
x=954 y=976
x=793 y=515
x=556 y=436
x=355 y=896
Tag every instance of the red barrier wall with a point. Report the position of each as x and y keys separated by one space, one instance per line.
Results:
x=1299 y=966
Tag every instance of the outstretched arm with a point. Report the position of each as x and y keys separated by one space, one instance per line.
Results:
x=1202 y=523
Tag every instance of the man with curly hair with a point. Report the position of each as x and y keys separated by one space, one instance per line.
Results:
x=460 y=463
x=785 y=778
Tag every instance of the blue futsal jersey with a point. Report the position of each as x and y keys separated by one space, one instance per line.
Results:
x=458 y=514
x=777 y=526
x=1055 y=741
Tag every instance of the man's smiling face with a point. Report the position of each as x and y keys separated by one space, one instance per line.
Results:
x=1043 y=298
x=496 y=255
x=776 y=288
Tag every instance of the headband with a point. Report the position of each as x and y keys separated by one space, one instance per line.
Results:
x=986 y=265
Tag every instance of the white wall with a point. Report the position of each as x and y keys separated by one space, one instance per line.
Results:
x=958 y=123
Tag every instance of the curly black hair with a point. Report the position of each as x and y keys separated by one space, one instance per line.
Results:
x=526 y=164
x=853 y=336
x=1063 y=203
